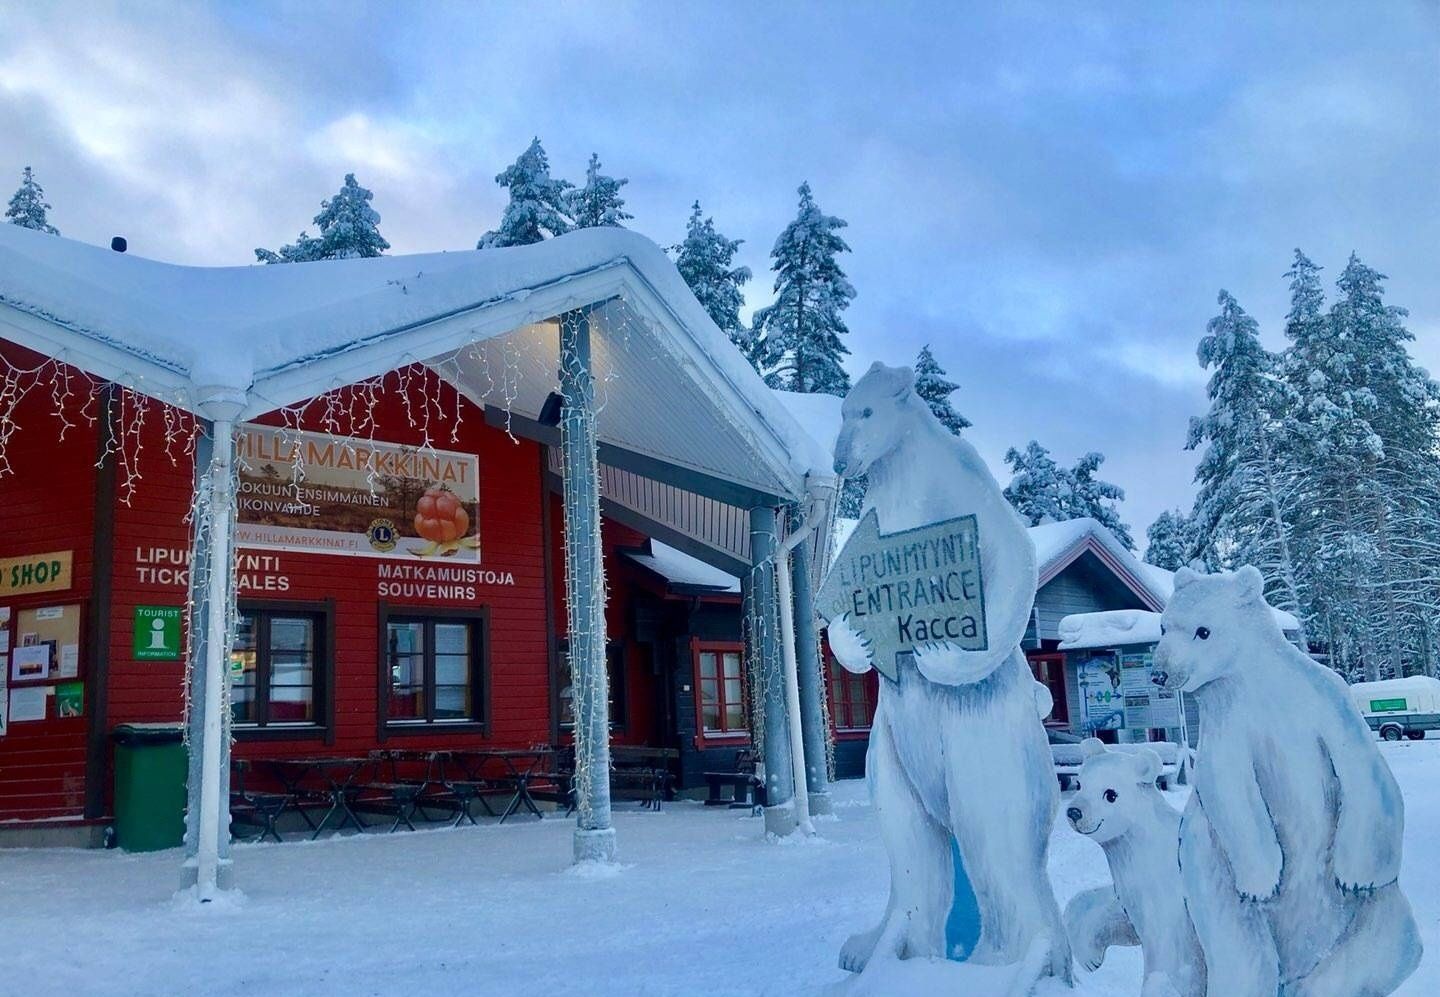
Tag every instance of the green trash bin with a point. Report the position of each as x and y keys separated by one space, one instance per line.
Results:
x=151 y=767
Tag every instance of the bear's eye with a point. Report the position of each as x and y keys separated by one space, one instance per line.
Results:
x=1111 y=796
x=1203 y=633
x=866 y=413
x=1162 y=630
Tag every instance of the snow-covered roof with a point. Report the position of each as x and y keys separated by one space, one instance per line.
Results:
x=276 y=335
x=817 y=414
x=683 y=571
x=1057 y=545
x=1411 y=684
x=1109 y=629
x=1118 y=627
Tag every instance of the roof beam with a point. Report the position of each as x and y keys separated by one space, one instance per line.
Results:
x=712 y=556
x=645 y=465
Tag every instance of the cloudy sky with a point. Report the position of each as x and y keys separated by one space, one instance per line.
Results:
x=1051 y=196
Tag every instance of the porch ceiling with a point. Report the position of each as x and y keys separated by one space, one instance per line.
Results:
x=651 y=400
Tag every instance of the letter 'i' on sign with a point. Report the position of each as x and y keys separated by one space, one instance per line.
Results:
x=157 y=633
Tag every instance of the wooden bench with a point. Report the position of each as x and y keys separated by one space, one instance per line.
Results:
x=399 y=784
x=256 y=808
x=1069 y=757
x=642 y=773
x=746 y=788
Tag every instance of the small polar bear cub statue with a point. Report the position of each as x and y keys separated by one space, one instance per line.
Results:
x=1118 y=807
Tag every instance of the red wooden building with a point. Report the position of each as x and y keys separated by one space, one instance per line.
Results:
x=400 y=504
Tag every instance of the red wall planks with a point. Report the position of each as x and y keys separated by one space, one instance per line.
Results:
x=47 y=503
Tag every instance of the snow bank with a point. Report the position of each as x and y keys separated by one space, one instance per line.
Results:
x=402 y=913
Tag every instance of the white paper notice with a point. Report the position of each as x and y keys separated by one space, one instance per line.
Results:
x=69 y=660
x=30 y=662
x=4 y=640
x=29 y=704
x=50 y=613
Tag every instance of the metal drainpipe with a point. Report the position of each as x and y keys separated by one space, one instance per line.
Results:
x=810 y=679
x=769 y=674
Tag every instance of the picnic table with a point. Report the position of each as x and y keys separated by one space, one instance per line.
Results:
x=320 y=781
x=640 y=772
x=747 y=789
x=522 y=772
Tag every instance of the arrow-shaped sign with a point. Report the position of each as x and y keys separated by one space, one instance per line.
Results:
x=909 y=588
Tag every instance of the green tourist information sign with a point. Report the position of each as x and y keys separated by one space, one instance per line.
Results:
x=909 y=588
x=157 y=633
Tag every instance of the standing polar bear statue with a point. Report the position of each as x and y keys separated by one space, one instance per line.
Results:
x=1290 y=843
x=957 y=747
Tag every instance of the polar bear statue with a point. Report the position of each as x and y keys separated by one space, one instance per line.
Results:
x=956 y=746
x=1118 y=807
x=1290 y=843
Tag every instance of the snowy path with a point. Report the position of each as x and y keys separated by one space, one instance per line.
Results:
x=703 y=906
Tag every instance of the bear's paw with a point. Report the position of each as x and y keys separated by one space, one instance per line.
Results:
x=1360 y=864
x=850 y=646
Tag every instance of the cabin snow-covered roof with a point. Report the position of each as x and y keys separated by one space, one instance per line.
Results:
x=280 y=334
x=683 y=572
x=1112 y=628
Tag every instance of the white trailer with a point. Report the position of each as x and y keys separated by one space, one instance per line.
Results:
x=1398 y=708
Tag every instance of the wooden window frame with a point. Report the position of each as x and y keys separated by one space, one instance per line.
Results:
x=324 y=676
x=727 y=738
x=480 y=674
x=1060 y=713
x=616 y=655
x=849 y=731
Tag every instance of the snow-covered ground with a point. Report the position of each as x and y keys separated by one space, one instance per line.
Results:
x=701 y=905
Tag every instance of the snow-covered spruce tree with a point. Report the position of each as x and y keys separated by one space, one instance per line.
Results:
x=797 y=341
x=1246 y=481
x=28 y=207
x=537 y=207
x=1037 y=488
x=932 y=385
x=1403 y=505
x=1366 y=435
x=1089 y=496
x=1170 y=541
x=1043 y=492
x=598 y=204
x=349 y=229
x=706 y=259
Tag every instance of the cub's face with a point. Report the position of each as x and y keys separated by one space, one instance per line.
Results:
x=1206 y=626
x=874 y=414
x=1113 y=786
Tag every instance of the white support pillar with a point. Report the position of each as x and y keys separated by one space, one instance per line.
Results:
x=585 y=592
x=211 y=829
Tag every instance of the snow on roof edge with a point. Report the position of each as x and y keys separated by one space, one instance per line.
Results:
x=185 y=320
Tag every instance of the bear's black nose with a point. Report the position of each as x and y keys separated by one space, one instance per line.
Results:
x=1159 y=678
x=1074 y=814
